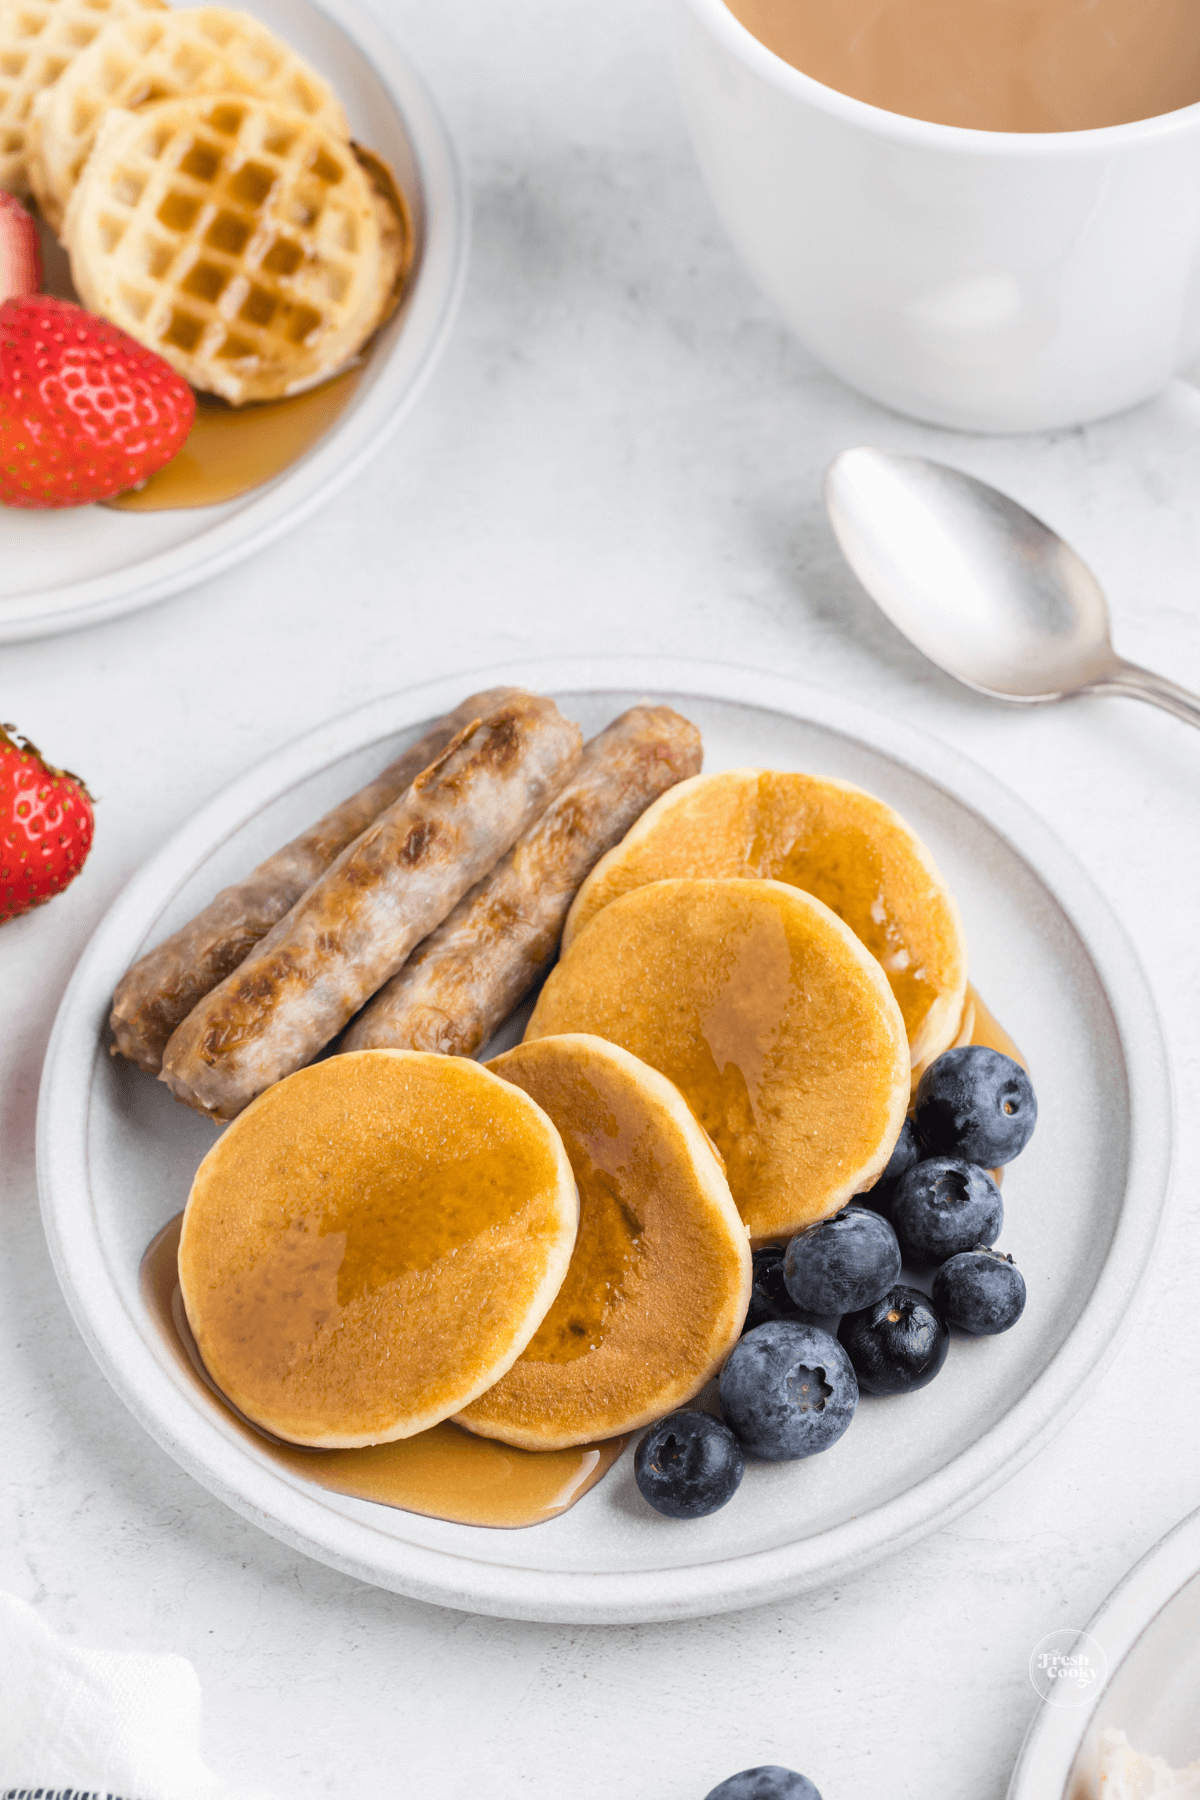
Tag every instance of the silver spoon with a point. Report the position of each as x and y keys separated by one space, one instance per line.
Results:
x=984 y=589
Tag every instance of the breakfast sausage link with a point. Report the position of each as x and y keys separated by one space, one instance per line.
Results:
x=386 y=891
x=461 y=984
x=160 y=990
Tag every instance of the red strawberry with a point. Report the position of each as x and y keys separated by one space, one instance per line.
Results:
x=46 y=825
x=85 y=412
x=20 y=257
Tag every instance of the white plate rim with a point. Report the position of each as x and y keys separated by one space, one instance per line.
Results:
x=255 y=1490
x=430 y=311
x=1046 y=1762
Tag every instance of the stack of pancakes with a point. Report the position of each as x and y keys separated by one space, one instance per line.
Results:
x=555 y=1249
x=202 y=177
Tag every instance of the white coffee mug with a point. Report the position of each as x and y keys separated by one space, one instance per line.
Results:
x=986 y=280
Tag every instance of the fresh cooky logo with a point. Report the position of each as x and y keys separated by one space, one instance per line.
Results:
x=1068 y=1668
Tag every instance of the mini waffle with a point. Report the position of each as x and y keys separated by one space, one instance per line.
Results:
x=241 y=241
x=38 y=40
x=144 y=58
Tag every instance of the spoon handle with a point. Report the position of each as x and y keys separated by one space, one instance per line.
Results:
x=1143 y=684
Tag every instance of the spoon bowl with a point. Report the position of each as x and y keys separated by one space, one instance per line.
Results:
x=981 y=586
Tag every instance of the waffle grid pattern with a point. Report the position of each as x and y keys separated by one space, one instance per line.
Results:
x=238 y=240
x=140 y=59
x=39 y=39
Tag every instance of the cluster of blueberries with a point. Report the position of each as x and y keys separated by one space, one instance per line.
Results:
x=790 y=1387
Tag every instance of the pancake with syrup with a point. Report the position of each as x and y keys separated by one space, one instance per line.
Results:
x=373 y=1243
x=659 y=1282
x=771 y=1018
x=831 y=839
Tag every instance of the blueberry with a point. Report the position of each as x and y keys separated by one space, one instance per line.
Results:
x=768 y=1783
x=788 y=1390
x=898 y=1345
x=769 y=1299
x=944 y=1206
x=976 y=1103
x=905 y=1152
x=689 y=1464
x=841 y=1264
x=980 y=1291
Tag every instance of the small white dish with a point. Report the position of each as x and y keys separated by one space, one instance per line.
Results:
x=1149 y=1631
x=68 y=568
x=116 y=1157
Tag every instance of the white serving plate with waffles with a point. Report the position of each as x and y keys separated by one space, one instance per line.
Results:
x=72 y=567
x=116 y=1156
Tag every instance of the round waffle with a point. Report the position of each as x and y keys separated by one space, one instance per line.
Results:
x=159 y=56
x=39 y=39
x=243 y=242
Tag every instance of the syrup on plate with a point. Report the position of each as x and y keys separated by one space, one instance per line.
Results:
x=446 y=1473
x=986 y=1029
x=233 y=449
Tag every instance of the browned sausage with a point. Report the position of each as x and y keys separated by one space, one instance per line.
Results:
x=160 y=990
x=353 y=929
x=461 y=984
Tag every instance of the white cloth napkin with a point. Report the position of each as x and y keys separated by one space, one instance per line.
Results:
x=101 y=1723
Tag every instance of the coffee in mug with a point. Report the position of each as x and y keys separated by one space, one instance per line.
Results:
x=993 y=65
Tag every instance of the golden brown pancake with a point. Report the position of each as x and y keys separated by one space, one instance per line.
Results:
x=827 y=837
x=372 y=1243
x=773 y=1021
x=659 y=1281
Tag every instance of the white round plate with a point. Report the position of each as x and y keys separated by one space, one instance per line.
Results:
x=1149 y=1631
x=71 y=567
x=116 y=1157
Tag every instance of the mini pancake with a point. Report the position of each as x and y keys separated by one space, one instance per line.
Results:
x=659 y=1282
x=372 y=1243
x=770 y=1017
x=827 y=837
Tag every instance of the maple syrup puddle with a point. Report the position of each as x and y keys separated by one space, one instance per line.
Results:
x=445 y=1473
x=987 y=1030
x=231 y=450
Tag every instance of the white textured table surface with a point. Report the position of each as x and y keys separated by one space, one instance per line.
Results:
x=621 y=451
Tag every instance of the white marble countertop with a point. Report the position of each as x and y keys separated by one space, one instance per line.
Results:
x=621 y=451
